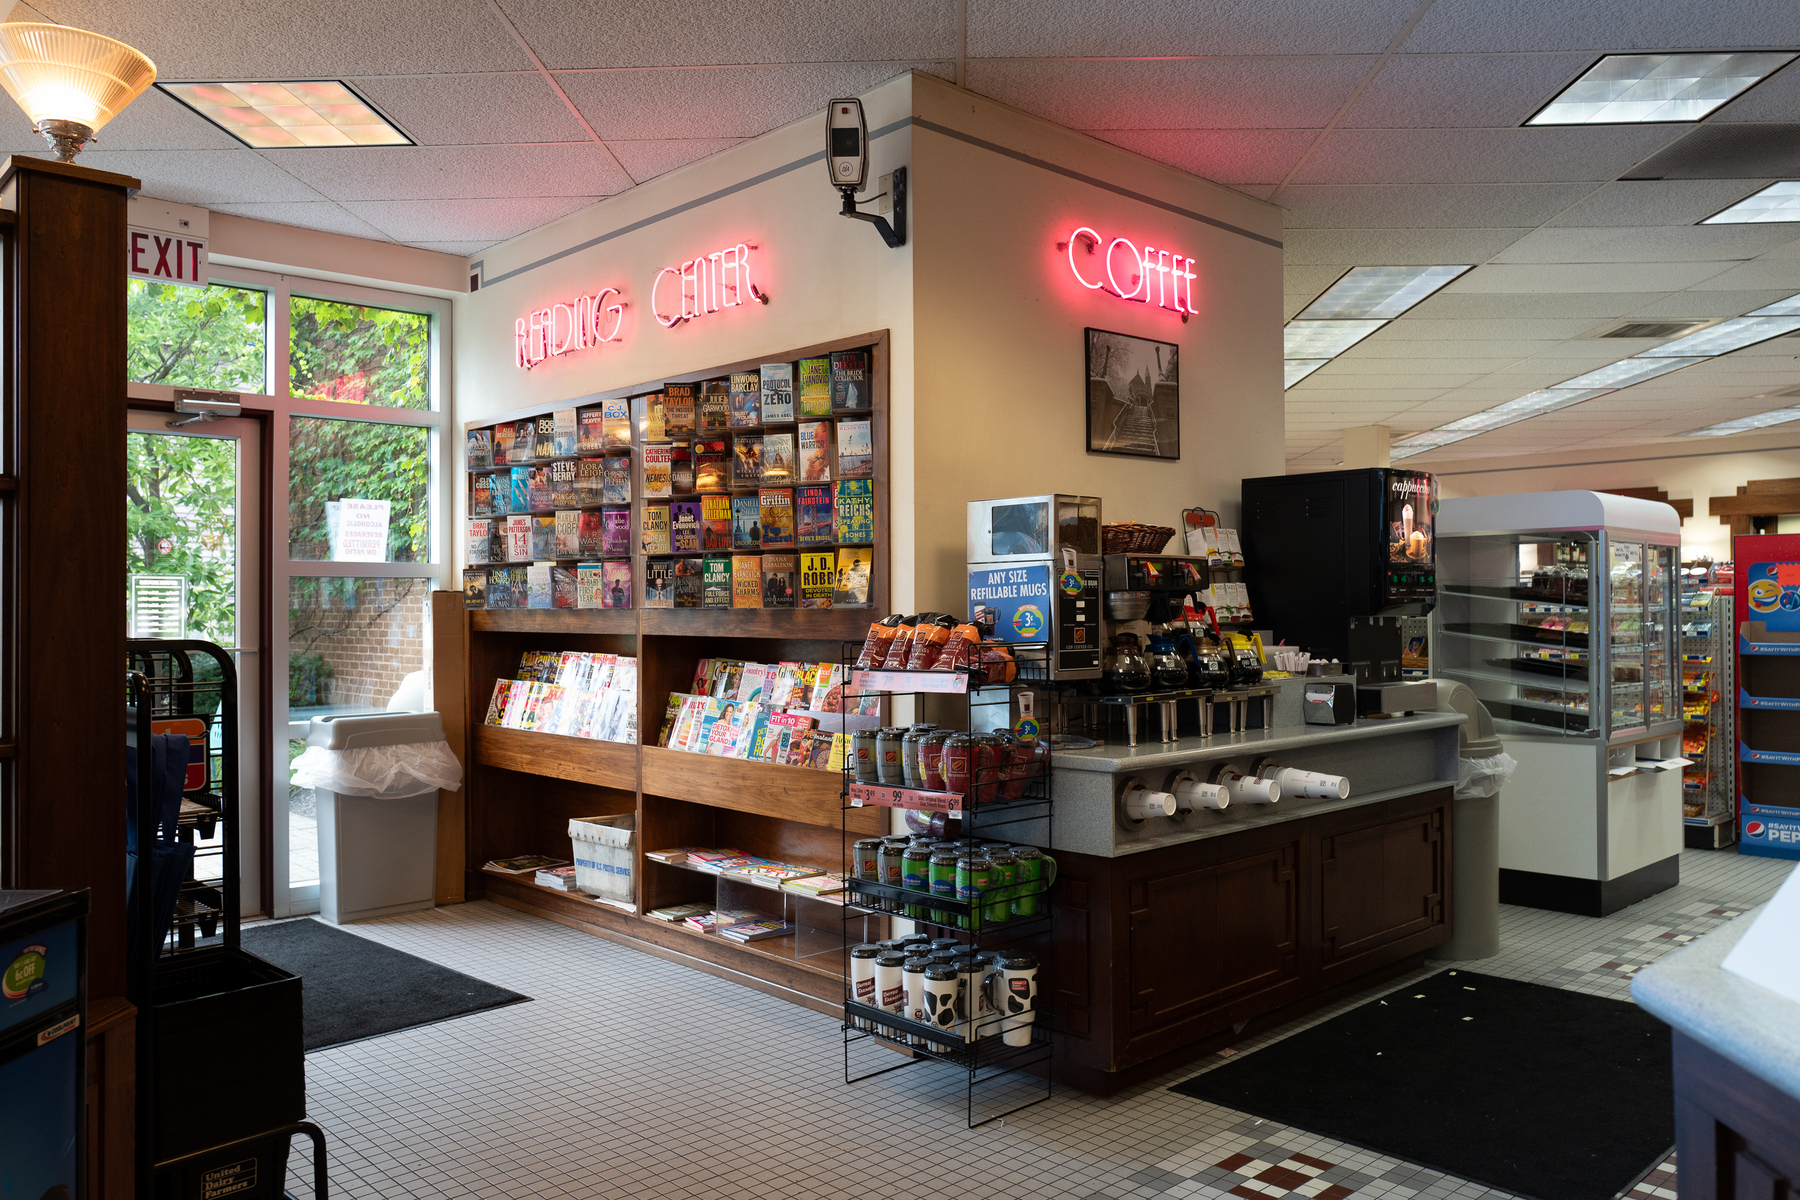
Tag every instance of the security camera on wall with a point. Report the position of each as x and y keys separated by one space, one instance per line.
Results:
x=847 y=162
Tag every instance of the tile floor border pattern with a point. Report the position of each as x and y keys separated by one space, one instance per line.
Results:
x=632 y=1076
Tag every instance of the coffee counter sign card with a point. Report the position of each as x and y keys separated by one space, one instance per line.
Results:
x=358 y=529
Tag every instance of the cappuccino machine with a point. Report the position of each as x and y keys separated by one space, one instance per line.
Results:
x=1339 y=558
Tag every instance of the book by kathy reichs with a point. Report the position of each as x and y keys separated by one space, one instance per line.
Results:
x=855 y=511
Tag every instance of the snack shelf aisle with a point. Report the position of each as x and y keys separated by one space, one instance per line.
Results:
x=1708 y=738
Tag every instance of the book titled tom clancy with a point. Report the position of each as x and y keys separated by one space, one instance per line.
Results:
x=618 y=584
x=524 y=443
x=855 y=511
x=856 y=450
x=712 y=467
x=813 y=516
x=615 y=424
x=850 y=381
x=565 y=432
x=854 y=568
x=813 y=395
x=588 y=585
x=746 y=400
x=746 y=523
x=654 y=536
x=746 y=581
x=590 y=481
x=615 y=480
x=777 y=518
x=714 y=414
x=544 y=442
x=481 y=540
x=689 y=588
x=475 y=587
x=746 y=461
x=815 y=451
x=659 y=583
x=568 y=533
x=715 y=583
x=592 y=542
x=656 y=472
x=678 y=410
x=781 y=583
x=818 y=579
x=543 y=536
x=591 y=438
x=481 y=449
x=538 y=489
x=715 y=523
x=564 y=474
x=503 y=440
x=777 y=393
x=684 y=526
x=481 y=496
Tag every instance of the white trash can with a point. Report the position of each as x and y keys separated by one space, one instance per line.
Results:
x=376 y=779
x=1483 y=767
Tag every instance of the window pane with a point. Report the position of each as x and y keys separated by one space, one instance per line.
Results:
x=358 y=355
x=181 y=543
x=358 y=491
x=194 y=337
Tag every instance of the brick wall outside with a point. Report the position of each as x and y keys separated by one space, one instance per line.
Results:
x=370 y=647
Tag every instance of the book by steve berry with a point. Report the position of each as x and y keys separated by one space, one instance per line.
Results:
x=684 y=526
x=564 y=432
x=481 y=540
x=681 y=470
x=592 y=438
x=587 y=585
x=503 y=441
x=481 y=496
x=544 y=442
x=592 y=540
x=746 y=461
x=615 y=424
x=780 y=581
x=715 y=588
x=615 y=480
x=855 y=511
x=815 y=451
x=590 y=481
x=849 y=381
x=563 y=473
x=712 y=467
x=655 y=535
x=539 y=491
x=746 y=523
x=543 y=536
x=777 y=458
x=856 y=450
x=568 y=533
x=524 y=443
x=777 y=393
x=518 y=538
x=777 y=518
x=812 y=516
x=618 y=584
x=475 y=587
x=818 y=579
x=688 y=587
x=615 y=533
x=715 y=406
x=853 y=576
x=813 y=394
x=678 y=410
x=715 y=523
x=746 y=400
x=481 y=449
x=659 y=583
x=746 y=581
x=656 y=472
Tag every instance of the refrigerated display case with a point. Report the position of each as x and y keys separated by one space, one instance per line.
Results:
x=1560 y=610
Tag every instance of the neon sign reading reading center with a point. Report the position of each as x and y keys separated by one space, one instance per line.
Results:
x=582 y=322
x=1153 y=274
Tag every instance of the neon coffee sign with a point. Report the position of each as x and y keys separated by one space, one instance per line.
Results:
x=705 y=284
x=1154 y=274
x=563 y=327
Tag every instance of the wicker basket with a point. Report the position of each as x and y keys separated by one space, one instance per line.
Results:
x=1128 y=537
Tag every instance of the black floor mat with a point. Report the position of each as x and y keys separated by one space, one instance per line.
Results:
x=354 y=988
x=1528 y=1089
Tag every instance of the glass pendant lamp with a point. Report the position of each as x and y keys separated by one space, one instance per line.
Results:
x=68 y=81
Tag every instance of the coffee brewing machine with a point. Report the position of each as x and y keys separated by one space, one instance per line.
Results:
x=1034 y=573
x=1340 y=557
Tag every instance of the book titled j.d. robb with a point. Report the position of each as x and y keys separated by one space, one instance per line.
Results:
x=818 y=579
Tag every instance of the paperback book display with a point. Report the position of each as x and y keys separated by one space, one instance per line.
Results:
x=571 y=693
x=770 y=712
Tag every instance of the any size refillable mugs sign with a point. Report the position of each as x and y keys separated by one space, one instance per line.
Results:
x=1017 y=596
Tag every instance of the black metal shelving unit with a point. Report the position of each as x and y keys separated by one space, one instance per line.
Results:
x=873 y=906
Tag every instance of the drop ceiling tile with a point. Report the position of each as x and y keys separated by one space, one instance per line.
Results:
x=1395 y=247
x=460 y=249
x=1310 y=277
x=1478 y=306
x=204 y=177
x=646 y=160
x=1631 y=202
x=455 y=172
x=695 y=32
x=1345 y=380
x=715 y=102
x=1229 y=156
x=1481 y=357
x=1143 y=28
x=1772 y=272
x=471 y=110
x=1347 y=399
x=1698 y=305
x=1692 y=243
x=1589 y=277
x=1469 y=368
x=1211 y=93
x=424 y=221
x=327 y=39
x=308 y=215
x=1438 y=91
x=1461 y=156
x=1776 y=98
x=1495 y=329
x=154 y=121
x=1440 y=206
x=1481 y=26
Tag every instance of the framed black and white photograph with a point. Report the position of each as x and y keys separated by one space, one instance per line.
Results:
x=1133 y=396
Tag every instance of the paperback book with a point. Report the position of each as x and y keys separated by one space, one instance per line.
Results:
x=615 y=424
x=715 y=523
x=565 y=590
x=563 y=489
x=746 y=581
x=615 y=480
x=746 y=400
x=716 y=583
x=481 y=496
x=855 y=511
x=518 y=481
x=780 y=581
x=813 y=516
x=543 y=536
x=777 y=506
x=481 y=540
x=618 y=584
x=591 y=543
x=656 y=472
x=539 y=493
x=538 y=592
x=481 y=449
x=684 y=526
x=524 y=443
x=475 y=587
x=712 y=467
x=853 y=576
x=653 y=417
x=689 y=588
x=746 y=523
x=814 y=392
x=592 y=438
x=777 y=393
x=681 y=469
x=568 y=533
x=856 y=450
x=655 y=533
x=590 y=481
x=518 y=538
x=615 y=533
x=564 y=433
x=516 y=587
x=746 y=461
x=715 y=407
x=588 y=585
x=850 y=381
x=659 y=583
x=778 y=458
x=815 y=451
x=502 y=448
x=818 y=579
x=678 y=410
x=544 y=441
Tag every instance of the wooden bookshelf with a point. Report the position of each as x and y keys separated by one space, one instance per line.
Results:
x=583 y=760
x=554 y=620
x=789 y=793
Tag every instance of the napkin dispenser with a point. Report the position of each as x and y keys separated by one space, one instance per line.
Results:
x=1329 y=703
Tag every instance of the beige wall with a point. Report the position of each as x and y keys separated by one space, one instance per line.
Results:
x=1689 y=470
x=314 y=254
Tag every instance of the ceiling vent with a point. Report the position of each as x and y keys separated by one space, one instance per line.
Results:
x=1648 y=330
x=1747 y=151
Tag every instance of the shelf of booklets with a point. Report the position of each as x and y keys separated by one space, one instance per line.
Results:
x=582 y=760
x=987 y=1059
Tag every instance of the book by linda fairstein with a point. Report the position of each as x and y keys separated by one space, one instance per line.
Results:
x=615 y=533
x=855 y=511
x=715 y=586
x=813 y=395
x=654 y=538
x=688 y=582
x=684 y=526
x=818 y=579
x=659 y=583
x=746 y=581
x=618 y=585
x=781 y=584
x=856 y=450
x=615 y=480
x=503 y=440
x=592 y=436
x=590 y=481
x=854 y=574
x=678 y=410
x=481 y=496
x=518 y=538
x=544 y=443
x=543 y=537
x=715 y=406
x=587 y=585
x=656 y=472
x=565 y=432
x=850 y=381
x=746 y=400
x=568 y=533
x=777 y=393
x=746 y=523
x=475 y=585
x=481 y=540
x=777 y=459
x=715 y=523
x=615 y=424
x=592 y=542
x=746 y=461
x=777 y=518
x=524 y=443
x=481 y=449
x=563 y=493
x=813 y=519
x=815 y=451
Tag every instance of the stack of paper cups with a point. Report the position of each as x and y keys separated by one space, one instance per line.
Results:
x=1191 y=794
x=1297 y=783
x=1141 y=803
x=1247 y=789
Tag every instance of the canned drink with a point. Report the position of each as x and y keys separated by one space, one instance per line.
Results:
x=943 y=882
x=1003 y=886
x=862 y=743
x=915 y=866
x=974 y=876
x=867 y=854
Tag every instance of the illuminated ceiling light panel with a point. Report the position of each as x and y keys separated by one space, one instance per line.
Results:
x=1324 y=339
x=1299 y=368
x=1378 y=292
x=1419 y=443
x=270 y=116
x=1530 y=405
x=1628 y=371
x=1779 y=416
x=1625 y=89
x=1725 y=337
x=1781 y=308
x=1777 y=202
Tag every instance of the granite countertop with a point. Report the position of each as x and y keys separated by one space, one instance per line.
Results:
x=1739 y=1020
x=1151 y=755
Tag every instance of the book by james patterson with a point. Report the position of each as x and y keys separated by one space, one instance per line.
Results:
x=592 y=542
x=678 y=410
x=746 y=523
x=543 y=537
x=777 y=518
x=503 y=440
x=746 y=581
x=815 y=451
x=818 y=579
x=712 y=467
x=778 y=458
x=853 y=576
x=855 y=511
x=850 y=381
x=590 y=481
x=715 y=587
x=568 y=533
x=563 y=475
x=565 y=432
x=615 y=424
x=475 y=585
x=715 y=523
x=746 y=461
x=592 y=436
x=715 y=406
x=781 y=585
x=538 y=593
x=813 y=398
x=519 y=489
x=481 y=449
x=777 y=393
x=618 y=584
x=615 y=533
x=812 y=516
x=856 y=450
x=684 y=526
x=746 y=400
x=544 y=443
x=538 y=489
x=687 y=579
x=615 y=480
x=681 y=469
x=565 y=587
x=481 y=496
x=659 y=583
x=656 y=472
x=655 y=534
x=499 y=588
x=587 y=585
x=524 y=443
x=518 y=538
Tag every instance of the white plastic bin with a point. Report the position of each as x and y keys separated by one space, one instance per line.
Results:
x=601 y=848
x=376 y=779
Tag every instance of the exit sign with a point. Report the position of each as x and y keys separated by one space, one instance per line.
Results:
x=160 y=257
